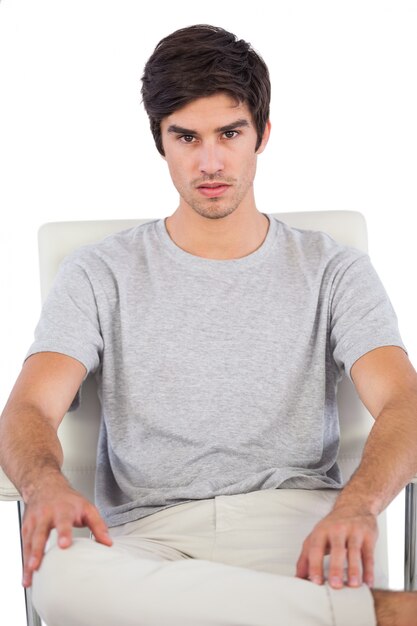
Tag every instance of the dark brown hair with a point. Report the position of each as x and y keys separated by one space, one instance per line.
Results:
x=199 y=61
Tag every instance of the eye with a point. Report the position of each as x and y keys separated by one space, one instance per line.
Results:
x=186 y=138
x=231 y=133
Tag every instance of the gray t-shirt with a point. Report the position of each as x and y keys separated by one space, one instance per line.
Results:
x=215 y=377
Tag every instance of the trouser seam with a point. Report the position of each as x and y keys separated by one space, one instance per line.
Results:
x=332 y=613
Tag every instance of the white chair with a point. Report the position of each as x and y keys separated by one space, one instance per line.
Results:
x=79 y=430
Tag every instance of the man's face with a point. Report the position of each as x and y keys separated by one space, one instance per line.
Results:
x=210 y=149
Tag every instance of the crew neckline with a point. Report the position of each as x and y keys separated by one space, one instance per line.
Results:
x=197 y=261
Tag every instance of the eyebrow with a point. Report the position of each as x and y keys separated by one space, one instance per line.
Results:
x=173 y=128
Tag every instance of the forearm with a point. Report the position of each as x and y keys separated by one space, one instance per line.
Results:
x=389 y=458
x=30 y=451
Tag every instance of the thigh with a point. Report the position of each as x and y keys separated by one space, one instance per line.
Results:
x=265 y=529
x=87 y=570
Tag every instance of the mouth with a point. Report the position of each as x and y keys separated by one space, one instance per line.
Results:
x=212 y=190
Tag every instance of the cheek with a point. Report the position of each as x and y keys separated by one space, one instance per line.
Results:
x=177 y=165
x=248 y=167
x=173 y=168
x=178 y=175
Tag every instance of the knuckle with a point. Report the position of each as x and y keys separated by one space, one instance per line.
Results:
x=337 y=558
x=44 y=511
x=338 y=545
x=36 y=555
x=369 y=539
x=368 y=550
x=355 y=542
x=65 y=517
x=26 y=552
x=27 y=526
x=337 y=561
x=92 y=510
x=316 y=541
x=64 y=526
x=354 y=552
x=26 y=535
x=38 y=545
x=38 y=539
x=335 y=569
x=41 y=529
x=339 y=527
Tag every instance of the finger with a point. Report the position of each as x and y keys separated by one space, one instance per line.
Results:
x=64 y=532
x=368 y=563
x=97 y=526
x=27 y=531
x=35 y=555
x=354 y=557
x=315 y=558
x=302 y=564
x=337 y=560
x=39 y=539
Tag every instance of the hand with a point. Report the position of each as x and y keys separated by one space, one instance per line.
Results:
x=56 y=505
x=347 y=535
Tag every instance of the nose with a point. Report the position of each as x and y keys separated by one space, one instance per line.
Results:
x=210 y=159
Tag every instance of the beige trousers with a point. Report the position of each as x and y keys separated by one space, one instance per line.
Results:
x=228 y=560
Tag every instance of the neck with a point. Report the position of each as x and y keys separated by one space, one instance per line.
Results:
x=230 y=237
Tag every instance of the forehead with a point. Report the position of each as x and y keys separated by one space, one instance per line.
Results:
x=208 y=113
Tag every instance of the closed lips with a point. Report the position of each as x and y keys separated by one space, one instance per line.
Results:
x=212 y=190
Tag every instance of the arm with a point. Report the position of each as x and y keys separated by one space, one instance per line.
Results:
x=31 y=455
x=387 y=384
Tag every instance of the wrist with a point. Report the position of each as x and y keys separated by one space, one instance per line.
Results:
x=45 y=480
x=357 y=504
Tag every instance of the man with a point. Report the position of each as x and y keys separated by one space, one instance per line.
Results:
x=218 y=336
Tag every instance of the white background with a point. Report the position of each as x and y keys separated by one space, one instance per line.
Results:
x=75 y=144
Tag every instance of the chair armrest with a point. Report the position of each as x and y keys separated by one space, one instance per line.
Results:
x=7 y=490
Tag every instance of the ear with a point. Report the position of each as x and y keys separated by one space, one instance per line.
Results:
x=265 y=137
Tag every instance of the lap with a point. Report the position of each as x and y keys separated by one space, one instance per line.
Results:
x=262 y=530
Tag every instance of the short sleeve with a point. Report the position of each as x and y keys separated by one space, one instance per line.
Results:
x=362 y=317
x=69 y=321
